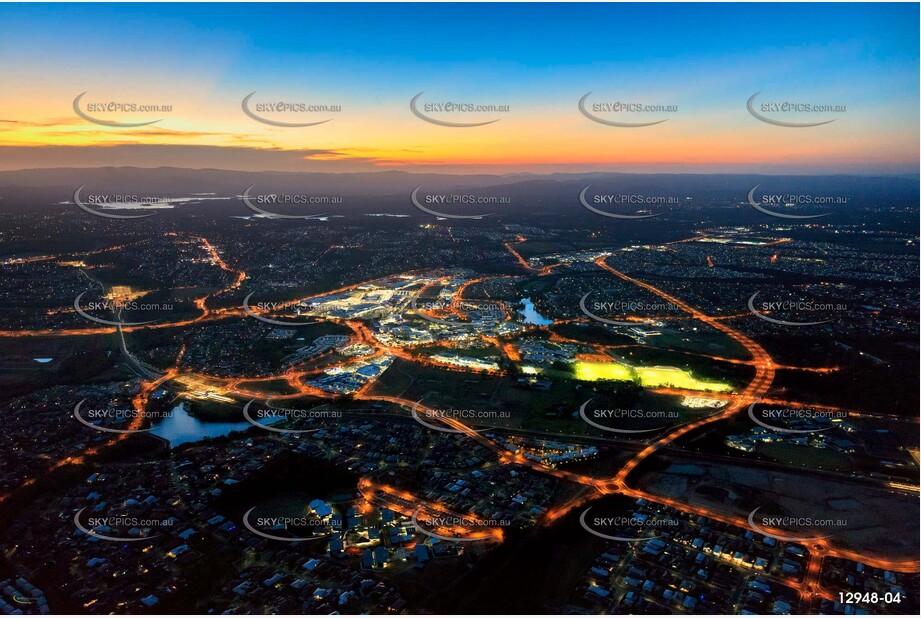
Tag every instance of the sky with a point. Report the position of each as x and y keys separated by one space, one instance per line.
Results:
x=701 y=61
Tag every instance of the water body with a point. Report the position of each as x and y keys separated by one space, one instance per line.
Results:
x=181 y=427
x=530 y=314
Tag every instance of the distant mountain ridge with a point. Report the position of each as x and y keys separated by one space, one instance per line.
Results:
x=389 y=191
x=59 y=184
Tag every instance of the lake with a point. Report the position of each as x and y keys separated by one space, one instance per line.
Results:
x=530 y=314
x=180 y=427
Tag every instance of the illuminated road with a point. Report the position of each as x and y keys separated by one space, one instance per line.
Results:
x=408 y=504
x=756 y=389
x=546 y=270
x=403 y=502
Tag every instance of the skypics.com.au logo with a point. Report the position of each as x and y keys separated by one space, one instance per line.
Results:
x=620 y=306
x=770 y=203
x=615 y=113
x=771 y=112
x=600 y=201
x=425 y=203
x=92 y=417
x=795 y=420
x=94 y=203
x=110 y=527
x=102 y=111
x=272 y=112
x=265 y=417
x=458 y=528
x=626 y=528
x=606 y=418
x=430 y=112
x=286 y=528
x=769 y=525
x=261 y=204
x=793 y=306
x=453 y=417
x=454 y=307
x=116 y=307
x=251 y=309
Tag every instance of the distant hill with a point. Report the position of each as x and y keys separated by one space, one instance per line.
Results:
x=58 y=184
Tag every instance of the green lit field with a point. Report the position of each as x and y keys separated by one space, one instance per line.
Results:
x=592 y=372
x=677 y=378
x=651 y=377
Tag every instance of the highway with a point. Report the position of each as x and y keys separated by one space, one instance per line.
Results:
x=404 y=502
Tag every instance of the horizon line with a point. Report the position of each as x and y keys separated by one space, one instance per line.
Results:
x=906 y=174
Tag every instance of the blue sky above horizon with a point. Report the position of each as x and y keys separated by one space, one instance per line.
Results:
x=538 y=58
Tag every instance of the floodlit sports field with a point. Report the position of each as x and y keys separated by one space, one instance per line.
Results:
x=677 y=378
x=592 y=372
x=649 y=376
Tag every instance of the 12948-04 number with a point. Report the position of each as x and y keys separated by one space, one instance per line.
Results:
x=874 y=598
